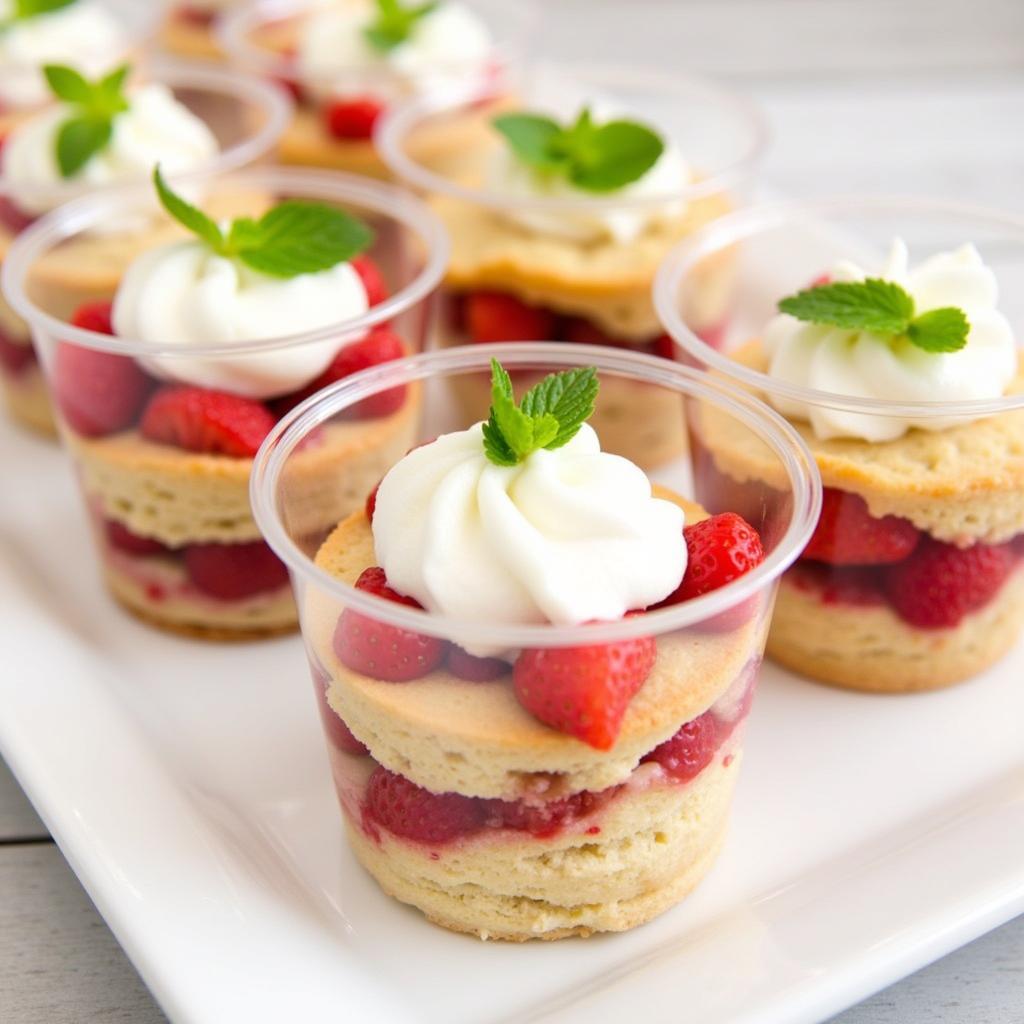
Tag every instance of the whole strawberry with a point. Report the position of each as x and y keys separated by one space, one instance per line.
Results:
x=412 y=812
x=380 y=650
x=847 y=533
x=584 y=691
x=940 y=583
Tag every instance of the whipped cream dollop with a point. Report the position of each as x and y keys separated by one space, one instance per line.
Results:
x=507 y=175
x=446 y=47
x=156 y=129
x=568 y=536
x=85 y=35
x=183 y=294
x=859 y=363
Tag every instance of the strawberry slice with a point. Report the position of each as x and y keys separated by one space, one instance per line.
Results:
x=415 y=813
x=98 y=393
x=379 y=650
x=211 y=422
x=584 y=691
x=120 y=537
x=352 y=118
x=95 y=316
x=848 y=534
x=498 y=316
x=690 y=750
x=231 y=572
x=373 y=280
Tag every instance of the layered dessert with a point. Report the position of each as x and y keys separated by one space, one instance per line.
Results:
x=537 y=791
x=165 y=393
x=912 y=579
x=347 y=61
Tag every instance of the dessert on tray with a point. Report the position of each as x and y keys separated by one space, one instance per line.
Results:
x=347 y=61
x=166 y=386
x=533 y=667
x=905 y=378
x=561 y=219
x=97 y=134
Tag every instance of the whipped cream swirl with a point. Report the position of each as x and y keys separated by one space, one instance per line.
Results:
x=84 y=34
x=568 y=536
x=185 y=295
x=156 y=129
x=859 y=363
x=446 y=47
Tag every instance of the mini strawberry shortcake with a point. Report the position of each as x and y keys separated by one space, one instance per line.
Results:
x=548 y=791
x=165 y=393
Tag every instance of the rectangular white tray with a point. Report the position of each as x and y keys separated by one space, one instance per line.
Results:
x=187 y=785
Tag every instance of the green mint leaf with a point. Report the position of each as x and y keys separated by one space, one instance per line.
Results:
x=78 y=139
x=393 y=23
x=298 y=237
x=875 y=305
x=939 y=330
x=593 y=157
x=188 y=215
x=23 y=9
x=68 y=84
x=533 y=138
x=550 y=414
x=568 y=397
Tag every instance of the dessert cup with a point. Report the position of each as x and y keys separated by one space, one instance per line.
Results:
x=582 y=289
x=525 y=832
x=245 y=114
x=262 y=38
x=159 y=510
x=949 y=489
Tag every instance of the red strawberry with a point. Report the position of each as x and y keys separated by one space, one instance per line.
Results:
x=231 y=572
x=379 y=650
x=13 y=216
x=476 y=670
x=546 y=818
x=201 y=420
x=371 y=502
x=665 y=347
x=940 y=583
x=718 y=551
x=98 y=393
x=580 y=331
x=338 y=733
x=373 y=280
x=686 y=754
x=16 y=357
x=94 y=316
x=381 y=345
x=849 y=584
x=120 y=537
x=497 y=316
x=352 y=118
x=847 y=533
x=584 y=691
x=415 y=813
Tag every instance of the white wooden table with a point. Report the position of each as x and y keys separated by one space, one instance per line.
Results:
x=922 y=96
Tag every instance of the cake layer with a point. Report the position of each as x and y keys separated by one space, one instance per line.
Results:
x=28 y=400
x=871 y=648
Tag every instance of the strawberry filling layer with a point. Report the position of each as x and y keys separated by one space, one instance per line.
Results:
x=17 y=355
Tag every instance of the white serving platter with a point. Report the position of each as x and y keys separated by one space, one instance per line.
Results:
x=188 y=788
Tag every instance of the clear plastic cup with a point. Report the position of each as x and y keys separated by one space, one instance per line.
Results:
x=336 y=113
x=456 y=799
x=176 y=539
x=247 y=117
x=943 y=501
x=526 y=266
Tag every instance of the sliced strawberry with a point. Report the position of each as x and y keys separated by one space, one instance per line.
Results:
x=584 y=691
x=686 y=754
x=848 y=534
x=373 y=280
x=120 y=537
x=95 y=316
x=352 y=118
x=476 y=670
x=231 y=572
x=98 y=393
x=379 y=650
x=201 y=420
x=371 y=503
x=544 y=819
x=940 y=583
x=498 y=316
x=415 y=813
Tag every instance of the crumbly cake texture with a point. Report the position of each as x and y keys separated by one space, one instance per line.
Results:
x=607 y=282
x=180 y=497
x=871 y=649
x=961 y=485
x=28 y=400
x=641 y=422
x=653 y=846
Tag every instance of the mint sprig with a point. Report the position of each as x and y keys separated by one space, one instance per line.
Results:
x=23 y=10
x=549 y=416
x=295 y=237
x=393 y=23
x=94 y=106
x=594 y=157
x=881 y=307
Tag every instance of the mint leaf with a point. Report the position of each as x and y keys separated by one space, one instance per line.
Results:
x=78 y=140
x=550 y=414
x=188 y=215
x=68 y=84
x=593 y=157
x=940 y=330
x=393 y=24
x=24 y=9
